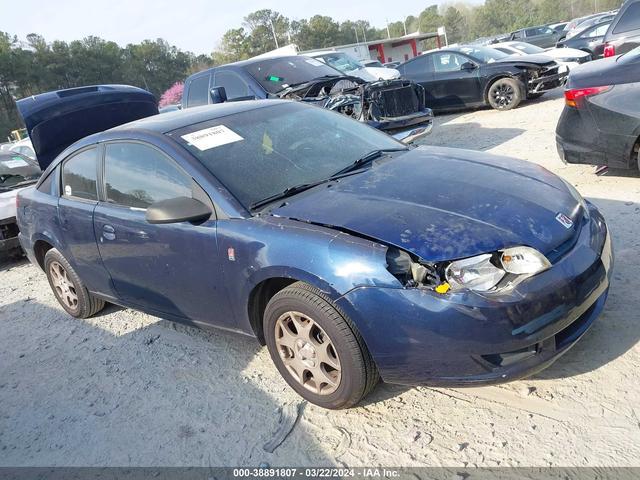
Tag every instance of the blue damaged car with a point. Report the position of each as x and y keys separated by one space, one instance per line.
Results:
x=350 y=255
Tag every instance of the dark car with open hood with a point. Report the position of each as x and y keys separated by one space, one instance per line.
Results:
x=470 y=76
x=352 y=256
x=395 y=106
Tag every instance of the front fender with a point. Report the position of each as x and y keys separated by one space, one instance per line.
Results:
x=258 y=249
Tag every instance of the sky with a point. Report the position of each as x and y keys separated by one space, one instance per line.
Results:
x=193 y=25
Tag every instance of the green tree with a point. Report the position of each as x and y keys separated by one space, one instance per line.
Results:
x=455 y=25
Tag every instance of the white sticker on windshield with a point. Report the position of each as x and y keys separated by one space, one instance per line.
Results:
x=212 y=137
x=314 y=62
x=15 y=163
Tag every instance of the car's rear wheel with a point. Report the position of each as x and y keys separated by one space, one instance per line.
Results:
x=69 y=290
x=505 y=94
x=316 y=349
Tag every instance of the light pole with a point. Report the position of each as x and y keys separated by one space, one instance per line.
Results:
x=404 y=22
x=356 y=30
x=273 y=30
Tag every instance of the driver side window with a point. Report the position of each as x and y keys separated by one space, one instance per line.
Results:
x=448 y=62
x=138 y=175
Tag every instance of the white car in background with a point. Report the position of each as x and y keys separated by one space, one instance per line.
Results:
x=570 y=57
x=17 y=172
x=24 y=147
x=350 y=66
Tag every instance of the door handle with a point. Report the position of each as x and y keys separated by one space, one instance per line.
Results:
x=108 y=232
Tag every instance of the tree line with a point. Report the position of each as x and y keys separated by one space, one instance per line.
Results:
x=35 y=65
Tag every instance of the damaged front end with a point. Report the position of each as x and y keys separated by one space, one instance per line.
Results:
x=546 y=77
x=395 y=106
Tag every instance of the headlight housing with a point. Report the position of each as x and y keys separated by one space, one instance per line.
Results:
x=486 y=272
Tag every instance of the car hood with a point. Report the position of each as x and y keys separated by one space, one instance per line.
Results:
x=557 y=53
x=539 y=59
x=382 y=73
x=58 y=119
x=444 y=204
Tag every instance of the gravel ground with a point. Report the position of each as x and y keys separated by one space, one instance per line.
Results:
x=129 y=389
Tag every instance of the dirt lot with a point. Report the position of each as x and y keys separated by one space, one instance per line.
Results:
x=128 y=389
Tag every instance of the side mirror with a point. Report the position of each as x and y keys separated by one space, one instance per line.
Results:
x=468 y=66
x=218 y=95
x=176 y=210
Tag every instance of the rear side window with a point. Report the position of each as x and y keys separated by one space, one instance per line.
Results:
x=138 y=175
x=596 y=31
x=79 y=177
x=198 y=92
x=418 y=66
x=47 y=183
x=234 y=85
x=630 y=19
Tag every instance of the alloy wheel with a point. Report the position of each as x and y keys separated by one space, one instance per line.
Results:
x=503 y=95
x=63 y=286
x=308 y=353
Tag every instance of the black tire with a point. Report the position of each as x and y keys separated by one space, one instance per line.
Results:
x=505 y=94
x=87 y=304
x=359 y=374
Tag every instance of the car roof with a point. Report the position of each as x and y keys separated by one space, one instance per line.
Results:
x=170 y=121
x=240 y=63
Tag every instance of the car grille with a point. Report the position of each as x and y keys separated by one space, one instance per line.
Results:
x=548 y=71
x=400 y=101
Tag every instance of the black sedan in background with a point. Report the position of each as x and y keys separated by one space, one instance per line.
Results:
x=590 y=40
x=474 y=76
x=600 y=124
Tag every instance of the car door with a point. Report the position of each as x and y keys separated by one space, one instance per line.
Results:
x=592 y=39
x=455 y=81
x=543 y=37
x=235 y=86
x=76 y=205
x=166 y=268
x=420 y=70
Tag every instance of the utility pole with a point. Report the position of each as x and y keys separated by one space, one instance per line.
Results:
x=364 y=34
x=356 y=30
x=387 y=22
x=404 y=22
x=273 y=30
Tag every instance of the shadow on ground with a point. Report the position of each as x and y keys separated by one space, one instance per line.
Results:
x=470 y=135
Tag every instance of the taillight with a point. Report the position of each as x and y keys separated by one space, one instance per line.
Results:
x=574 y=98
x=609 y=50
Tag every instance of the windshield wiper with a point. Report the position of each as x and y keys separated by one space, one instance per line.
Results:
x=368 y=158
x=288 y=192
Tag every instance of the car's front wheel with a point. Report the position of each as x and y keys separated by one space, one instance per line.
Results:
x=505 y=94
x=316 y=349
x=69 y=290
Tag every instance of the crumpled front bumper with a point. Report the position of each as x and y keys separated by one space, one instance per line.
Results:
x=419 y=337
x=408 y=128
x=548 y=82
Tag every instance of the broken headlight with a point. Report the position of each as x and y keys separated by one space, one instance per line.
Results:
x=409 y=271
x=485 y=272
